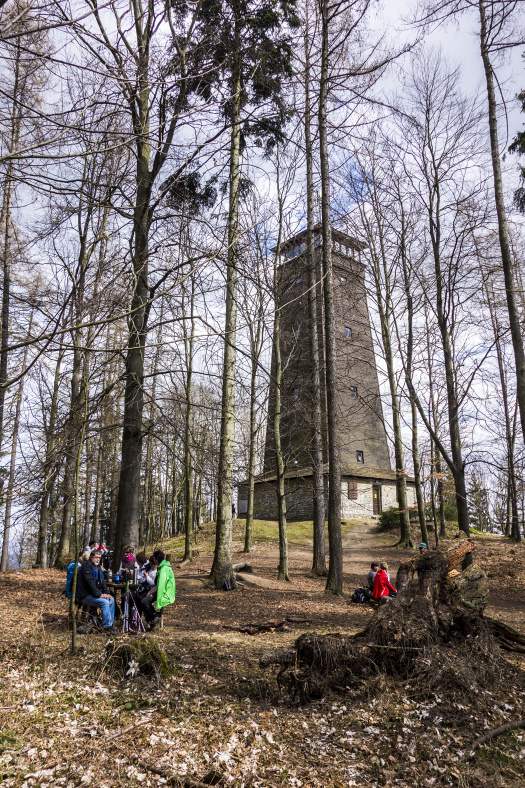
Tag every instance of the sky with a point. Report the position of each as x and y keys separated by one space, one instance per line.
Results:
x=460 y=45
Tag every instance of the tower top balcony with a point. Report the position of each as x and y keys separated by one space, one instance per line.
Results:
x=343 y=244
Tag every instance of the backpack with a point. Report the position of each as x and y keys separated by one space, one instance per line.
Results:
x=69 y=579
x=361 y=595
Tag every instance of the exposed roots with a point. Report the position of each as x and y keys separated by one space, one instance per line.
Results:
x=416 y=638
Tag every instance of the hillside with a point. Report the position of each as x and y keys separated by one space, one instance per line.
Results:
x=219 y=719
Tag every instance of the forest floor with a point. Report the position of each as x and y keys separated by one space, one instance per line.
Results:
x=66 y=721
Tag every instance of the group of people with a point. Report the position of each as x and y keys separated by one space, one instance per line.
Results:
x=94 y=545
x=154 y=586
x=378 y=580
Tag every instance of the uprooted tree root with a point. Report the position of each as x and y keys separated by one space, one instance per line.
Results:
x=421 y=638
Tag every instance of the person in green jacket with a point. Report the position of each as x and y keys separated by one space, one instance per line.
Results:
x=163 y=592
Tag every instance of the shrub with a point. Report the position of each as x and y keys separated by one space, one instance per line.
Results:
x=389 y=519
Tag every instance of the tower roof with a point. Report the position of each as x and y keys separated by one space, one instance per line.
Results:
x=337 y=235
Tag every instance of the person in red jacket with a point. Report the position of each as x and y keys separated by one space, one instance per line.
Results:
x=382 y=584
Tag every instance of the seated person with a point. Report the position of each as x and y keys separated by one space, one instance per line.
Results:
x=145 y=578
x=162 y=593
x=374 y=566
x=141 y=563
x=93 y=545
x=128 y=562
x=422 y=548
x=92 y=590
x=382 y=585
x=71 y=571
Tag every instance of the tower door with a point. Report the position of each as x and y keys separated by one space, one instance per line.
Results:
x=376 y=498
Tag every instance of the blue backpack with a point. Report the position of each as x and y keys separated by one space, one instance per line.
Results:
x=69 y=578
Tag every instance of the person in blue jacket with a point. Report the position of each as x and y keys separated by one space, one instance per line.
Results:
x=71 y=570
x=92 y=590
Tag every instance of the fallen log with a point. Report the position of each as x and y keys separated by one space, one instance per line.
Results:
x=507 y=645
x=455 y=555
x=504 y=631
x=244 y=568
x=256 y=629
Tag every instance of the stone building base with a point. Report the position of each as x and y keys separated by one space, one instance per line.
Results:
x=361 y=496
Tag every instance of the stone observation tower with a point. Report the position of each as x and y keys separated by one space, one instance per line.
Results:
x=362 y=436
x=368 y=482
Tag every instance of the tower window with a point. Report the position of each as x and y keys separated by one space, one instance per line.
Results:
x=353 y=392
x=360 y=456
x=348 y=332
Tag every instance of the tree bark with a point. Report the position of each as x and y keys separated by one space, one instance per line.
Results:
x=188 y=437
x=222 y=574
x=50 y=471
x=255 y=343
x=503 y=233
x=319 y=547
x=514 y=530
x=4 y=563
x=334 y=582
x=280 y=466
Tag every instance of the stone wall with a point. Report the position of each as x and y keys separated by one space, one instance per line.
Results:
x=299 y=504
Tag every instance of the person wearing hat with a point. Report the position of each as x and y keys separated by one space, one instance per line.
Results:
x=422 y=548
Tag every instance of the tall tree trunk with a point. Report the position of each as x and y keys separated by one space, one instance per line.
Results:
x=88 y=486
x=222 y=574
x=319 y=515
x=127 y=524
x=334 y=582
x=432 y=492
x=282 y=572
x=95 y=534
x=256 y=346
x=4 y=563
x=509 y=432
x=437 y=469
x=6 y=297
x=17 y=110
x=457 y=463
x=85 y=391
x=50 y=471
x=114 y=479
x=503 y=232
x=73 y=437
x=384 y=299
x=417 y=475
x=188 y=432
x=410 y=352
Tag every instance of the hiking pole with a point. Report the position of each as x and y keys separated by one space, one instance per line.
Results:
x=141 y=625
